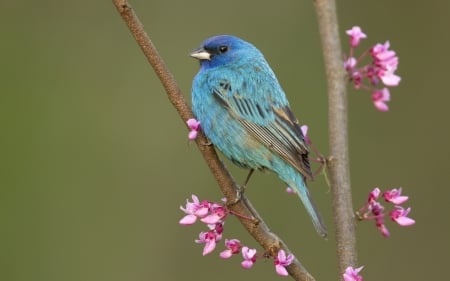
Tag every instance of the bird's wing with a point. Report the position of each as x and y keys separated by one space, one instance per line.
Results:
x=271 y=123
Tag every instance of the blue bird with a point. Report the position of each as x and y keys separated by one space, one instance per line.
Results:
x=244 y=112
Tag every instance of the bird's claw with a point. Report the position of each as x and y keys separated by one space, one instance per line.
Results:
x=208 y=143
x=238 y=198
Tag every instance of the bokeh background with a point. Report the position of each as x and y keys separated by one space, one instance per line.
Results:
x=95 y=161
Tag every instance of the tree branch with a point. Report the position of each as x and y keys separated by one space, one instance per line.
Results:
x=257 y=228
x=338 y=163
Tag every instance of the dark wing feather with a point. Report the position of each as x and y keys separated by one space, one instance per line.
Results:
x=275 y=127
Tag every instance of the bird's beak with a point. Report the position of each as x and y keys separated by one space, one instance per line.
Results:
x=201 y=54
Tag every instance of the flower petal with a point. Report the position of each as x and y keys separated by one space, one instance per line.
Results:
x=209 y=247
x=188 y=220
x=226 y=254
x=247 y=264
x=281 y=270
x=405 y=221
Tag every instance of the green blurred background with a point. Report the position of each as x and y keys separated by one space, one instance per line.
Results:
x=95 y=161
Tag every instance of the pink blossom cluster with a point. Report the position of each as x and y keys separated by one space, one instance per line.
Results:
x=213 y=215
x=374 y=210
x=210 y=213
x=382 y=67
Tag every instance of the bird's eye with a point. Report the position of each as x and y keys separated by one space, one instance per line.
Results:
x=223 y=49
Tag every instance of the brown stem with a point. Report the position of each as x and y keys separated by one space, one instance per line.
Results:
x=338 y=163
x=257 y=228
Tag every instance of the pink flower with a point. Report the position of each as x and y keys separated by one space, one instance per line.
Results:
x=372 y=74
x=380 y=97
x=281 y=261
x=383 y=229
x=375 y=211
x=218 y=228
x=194 y=210
x=374 y=194
x=349 y=63
x=217 y=214
x=356 y=35
x=399 y=215
x=381 y=52
x=376 y=208
x=210 y=238
x=386 y=62
x=357 y=77
x=249 y=257
x=194 y=127
x=352 y=274
x=394 y=196
x=234 y=247
x=289 y=190
x=304 y=130
x=389 y=78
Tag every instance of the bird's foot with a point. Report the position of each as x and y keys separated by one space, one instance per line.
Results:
x=240 y=191
x=207 y=143
x=323 y=162
x=238 y=198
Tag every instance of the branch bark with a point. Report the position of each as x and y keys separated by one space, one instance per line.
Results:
x=338 y=162
x=256 y=227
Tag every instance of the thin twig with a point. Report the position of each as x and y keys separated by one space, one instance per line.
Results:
x=338 y=163
x=257 y=228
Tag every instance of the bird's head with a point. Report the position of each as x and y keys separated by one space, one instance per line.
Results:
x=224 y=49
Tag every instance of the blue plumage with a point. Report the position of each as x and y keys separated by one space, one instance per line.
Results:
x=244 y=112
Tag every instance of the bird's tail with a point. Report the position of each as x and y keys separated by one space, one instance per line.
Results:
x=299 y=186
